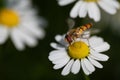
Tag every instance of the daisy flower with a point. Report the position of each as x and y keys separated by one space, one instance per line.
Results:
x=82 y=7
x=82 y=54
x=18 y=20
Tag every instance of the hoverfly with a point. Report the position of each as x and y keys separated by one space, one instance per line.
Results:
x=75 y=33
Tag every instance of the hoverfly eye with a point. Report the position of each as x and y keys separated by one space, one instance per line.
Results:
x=68 y=39
x=66 y=36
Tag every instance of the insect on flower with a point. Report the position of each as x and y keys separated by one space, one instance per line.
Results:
x=76 y=33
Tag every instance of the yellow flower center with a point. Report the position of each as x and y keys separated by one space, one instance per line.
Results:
x=78 y=50
x=91 y=0
x=9 y=18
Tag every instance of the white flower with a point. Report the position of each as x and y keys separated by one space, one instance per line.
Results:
x=82 y=7
x=18 y=20
x=83 y=53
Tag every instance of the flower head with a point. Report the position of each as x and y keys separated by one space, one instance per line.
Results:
x=20 y=22
x=82 y=53
x=82 y=7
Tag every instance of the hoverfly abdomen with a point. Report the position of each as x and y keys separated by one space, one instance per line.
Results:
x=87 y=26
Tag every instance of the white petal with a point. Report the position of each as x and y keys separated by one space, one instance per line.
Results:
x=61 y=40
x=32 y=29
x=83 y=10
x=106 y=7
x=54 y=52
x=103 y=47
x=41 y=33
x=4 y=32
x=66 y=69
x=29 y=14
x=93 y=11
x=21 y=4
x=96 y=12
x=98 y=56
x=17 y=40
x=95 y=63
x=60 y=63
x=58 y=66
x=86 y=71
x=76 y=67
x=57 y=54
x=75 y=10
x=95 y=41
x=61 y=60
x=90 y=10
x=113 y=3
x=88 y=65
x=56 y=46
x=58 y=38
x=65 y=2
x=27 y=39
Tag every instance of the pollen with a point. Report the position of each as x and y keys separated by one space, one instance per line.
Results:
x=78 y=50
x=91 y=0
x=9 y=18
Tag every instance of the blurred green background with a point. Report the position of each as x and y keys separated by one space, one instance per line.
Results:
x=33 y=63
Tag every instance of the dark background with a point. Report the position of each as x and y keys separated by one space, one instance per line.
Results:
x=33 y=63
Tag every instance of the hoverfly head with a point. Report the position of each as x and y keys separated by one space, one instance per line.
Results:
x=68 y=39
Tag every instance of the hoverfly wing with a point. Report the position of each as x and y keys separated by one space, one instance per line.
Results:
x=71 y=23
x=95 y=31
x=89 y=32
x=86 y=34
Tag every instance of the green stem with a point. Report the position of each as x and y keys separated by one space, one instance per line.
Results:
x=86 y=77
